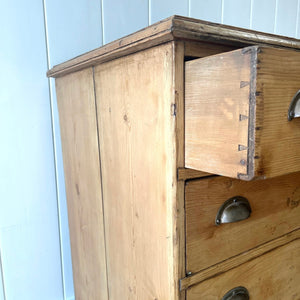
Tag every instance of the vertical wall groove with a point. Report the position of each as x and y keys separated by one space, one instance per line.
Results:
x=2 y=276
x=275 y=17
x=149 y=12
x=222 y=11
x=54 y=151
x=297 y=19
x=102 y=21
x=251 y=14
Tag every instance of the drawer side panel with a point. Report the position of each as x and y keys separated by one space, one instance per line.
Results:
x=217 y=92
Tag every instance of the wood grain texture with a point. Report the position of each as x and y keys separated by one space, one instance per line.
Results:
x=217 y=112
x=135 y=102
x=202 y=49
x=194 y=29
x=153 y=35
x=76 y=102
x=273 y=276
x=173 y=28
x=275 y=212
x=230 y=135
x=238 y=260
x=179 y=210
x=277 y=141
x=185 y=174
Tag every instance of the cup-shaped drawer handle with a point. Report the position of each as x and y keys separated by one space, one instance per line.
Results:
x=238 y=293
x=294 y=109
x=233 y=210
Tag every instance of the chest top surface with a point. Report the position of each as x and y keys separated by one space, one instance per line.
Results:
x=170 y=29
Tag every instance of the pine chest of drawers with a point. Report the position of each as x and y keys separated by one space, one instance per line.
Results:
x=181 y=148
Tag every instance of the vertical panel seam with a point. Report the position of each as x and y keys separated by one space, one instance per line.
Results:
x=54 y=150
x=102 y=21
x=275 y=17
x=149 y=12
x=2 y=275
x=222 y=11
x=297 y=18
x=251 y=14
x=100 y=166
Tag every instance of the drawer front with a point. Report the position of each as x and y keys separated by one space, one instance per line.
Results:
x=275 y=205
x=236 y=113
x=273 y=276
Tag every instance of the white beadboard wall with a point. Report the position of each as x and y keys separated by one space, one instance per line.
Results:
x=35 y=260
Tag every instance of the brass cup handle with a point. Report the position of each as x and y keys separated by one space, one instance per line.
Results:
x=238 y=293
x=233 y=210
x=294 y=109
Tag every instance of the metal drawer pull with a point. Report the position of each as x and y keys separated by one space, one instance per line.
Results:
x=294 y=109
x=238 y=293
x=233 y=210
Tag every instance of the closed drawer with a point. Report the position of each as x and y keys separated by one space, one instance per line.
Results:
x=273 y=276
x=275 y=205
x=236 y=113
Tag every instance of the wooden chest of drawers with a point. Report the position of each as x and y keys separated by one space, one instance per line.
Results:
x=143 y=120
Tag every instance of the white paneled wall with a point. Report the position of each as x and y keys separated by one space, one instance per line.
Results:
x=35 y=261
x=29 y=231
x=286 y=17
x=161 y=9
x=122 y=17
x=2 y=292
x=263 y=15
x=206 y=10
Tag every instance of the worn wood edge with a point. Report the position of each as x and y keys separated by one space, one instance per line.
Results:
x=252 y=114
x=179 y=210
x=186 y=173
x=151 y=36
x=238 y=260
x=172 y=28
x=189 y=28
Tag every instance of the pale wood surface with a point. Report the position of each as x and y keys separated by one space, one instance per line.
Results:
x=185 y=174
x=238 y=260
x=275 y=212
x=202 y=49
x=175 y=27
x=277 y=141
x=273 y=276
x=135 y=100
x=230 y=136
x=179 y=211
x=76 y=103
x=215 y=100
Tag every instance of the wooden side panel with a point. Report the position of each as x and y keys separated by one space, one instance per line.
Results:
x=179 y=210
x=136 y=109
x=76 y=103
x=217 y=92
x=275 y=212
x=275 y=275
x=277 y=141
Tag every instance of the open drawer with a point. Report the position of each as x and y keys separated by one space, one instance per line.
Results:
x=236 y=113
